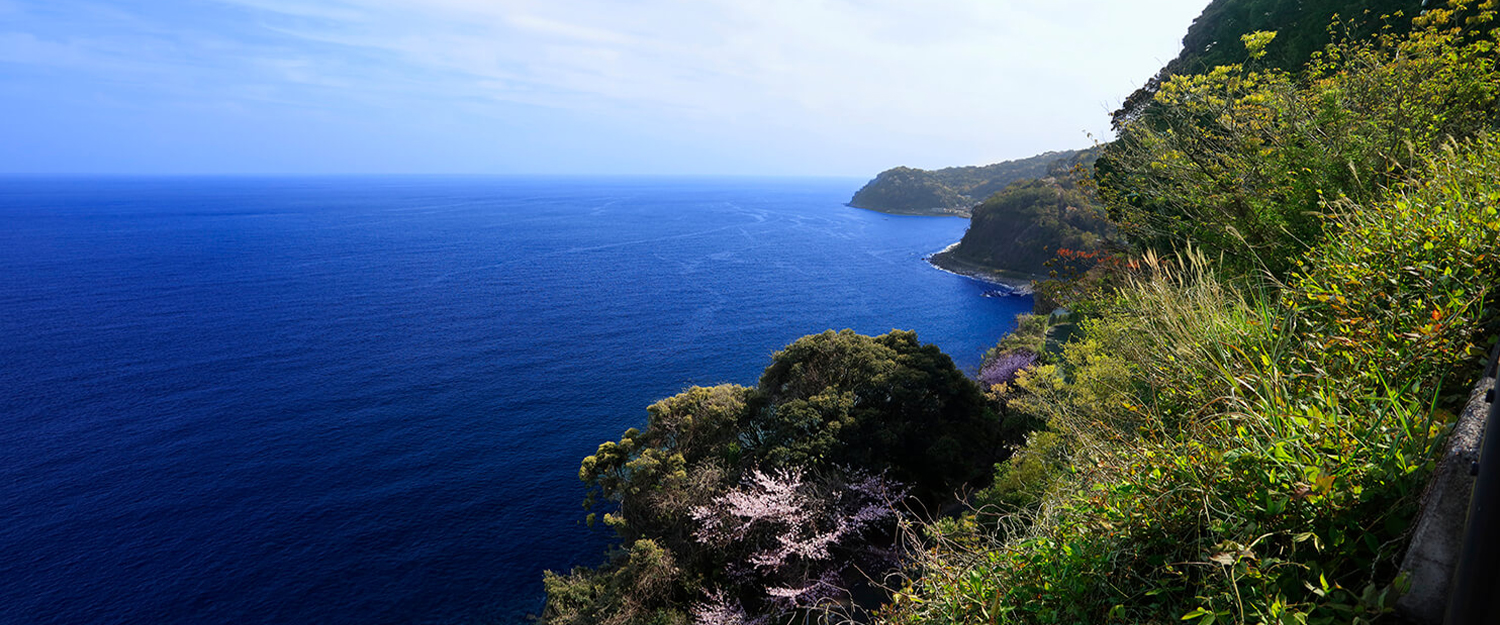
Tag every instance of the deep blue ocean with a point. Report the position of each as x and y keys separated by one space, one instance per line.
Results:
x=364 y=400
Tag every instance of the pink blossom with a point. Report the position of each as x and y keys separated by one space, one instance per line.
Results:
x=797 y=536
x=719 y=609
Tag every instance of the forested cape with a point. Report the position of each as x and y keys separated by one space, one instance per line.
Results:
x=1239 y=427
x=951 y=190
x=1023 y=228
x=1023 y=213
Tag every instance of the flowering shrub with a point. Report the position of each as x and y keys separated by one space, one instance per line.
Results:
x=1003 y=368
x=720 y=609
x=736 y=503
x=797 y=542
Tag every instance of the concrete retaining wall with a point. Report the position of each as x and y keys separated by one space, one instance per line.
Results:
x=1439 y=534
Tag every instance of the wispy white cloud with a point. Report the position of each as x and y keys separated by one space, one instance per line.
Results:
x=962 y=72
x=28 y=49
x=843 y=85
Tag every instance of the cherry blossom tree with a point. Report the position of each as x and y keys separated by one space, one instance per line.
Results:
x=799 y=541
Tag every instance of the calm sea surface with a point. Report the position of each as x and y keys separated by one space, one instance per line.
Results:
x=363 y=400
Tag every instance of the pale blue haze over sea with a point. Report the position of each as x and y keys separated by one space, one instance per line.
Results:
x=364 y=400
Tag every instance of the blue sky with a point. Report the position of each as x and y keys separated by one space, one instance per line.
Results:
x=753 y=87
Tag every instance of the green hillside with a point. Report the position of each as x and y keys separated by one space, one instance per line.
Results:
x=1021 y=228
x=1303 y=28
x=947 y=191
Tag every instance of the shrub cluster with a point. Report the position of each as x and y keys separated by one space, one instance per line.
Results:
x=1243 y=160
x=737 y=504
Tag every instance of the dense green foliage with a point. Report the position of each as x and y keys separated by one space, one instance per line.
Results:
x=1023 y=227
x=1242 y=162
x=1302 y=26
x=909 y=190
x=1210 y=457
x=1221 y=447
x=830 y=408
x=887 y=403
x=952 y=190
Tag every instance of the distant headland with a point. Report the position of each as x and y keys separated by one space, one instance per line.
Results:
x=1028 y=212
x=951 y=191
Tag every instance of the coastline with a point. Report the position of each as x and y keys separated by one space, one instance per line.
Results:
x=945 y=260
x=919 y=212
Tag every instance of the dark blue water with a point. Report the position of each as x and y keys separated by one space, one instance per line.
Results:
x=353 y=400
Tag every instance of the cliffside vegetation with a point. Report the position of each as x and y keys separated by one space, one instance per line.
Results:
x=1247 y=160
x=1242 y=429
x=1024 y=226
x=1237 y=430
x=948 y=191
x=1303 y=28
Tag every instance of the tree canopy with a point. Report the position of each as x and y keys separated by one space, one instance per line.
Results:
x=706 y=496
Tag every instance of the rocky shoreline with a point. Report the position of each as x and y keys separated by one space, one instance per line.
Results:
x=1013 y=283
